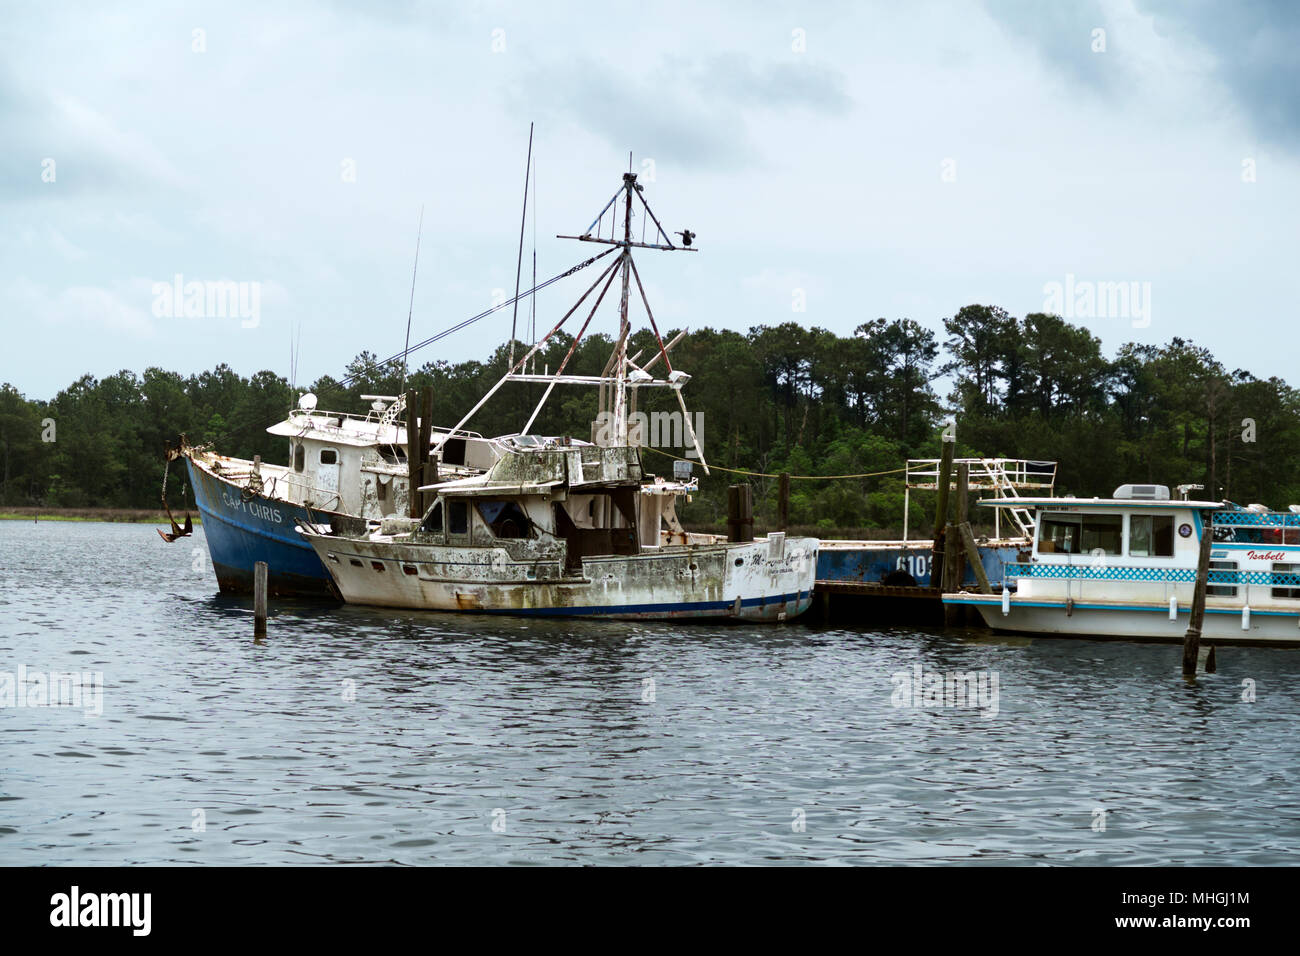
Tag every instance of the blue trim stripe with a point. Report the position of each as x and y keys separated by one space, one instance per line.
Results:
x=797 y=598
x=996 y=601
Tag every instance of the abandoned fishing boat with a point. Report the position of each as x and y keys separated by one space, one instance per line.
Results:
x=563 y=526
x=344 y=469
x=566 y=527
x=1126 y=567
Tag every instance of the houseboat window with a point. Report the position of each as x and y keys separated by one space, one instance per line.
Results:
x=505 y=518
x=1151 y=536
x=1079 y=534
x=328 y=456
x=1222 y=590
x=1104 y=532
x=457 y=517
x=1287 y=592
x=381 y=489
x=299 y=456
x=433 y=523
x=1058 y=534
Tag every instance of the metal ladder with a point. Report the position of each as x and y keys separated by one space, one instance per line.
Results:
x=996 y=470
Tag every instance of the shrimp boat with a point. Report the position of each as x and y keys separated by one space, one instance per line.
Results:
x=343 y=469
x=568 y=527
x=1126 y=567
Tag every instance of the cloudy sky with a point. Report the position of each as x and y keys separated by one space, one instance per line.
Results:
x=874 y=160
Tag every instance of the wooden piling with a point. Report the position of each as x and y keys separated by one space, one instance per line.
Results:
x=259 y=599
x=783 y=502
x=1192 y=639
x=414 y=455
x=937 y=555
x=740 y=513
x=428 y=463
x=973 y=556
x=953 y=547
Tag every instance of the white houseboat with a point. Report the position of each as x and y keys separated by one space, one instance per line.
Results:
x=1126 y=566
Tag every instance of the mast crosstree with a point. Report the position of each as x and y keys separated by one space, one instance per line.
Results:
x=622 y=375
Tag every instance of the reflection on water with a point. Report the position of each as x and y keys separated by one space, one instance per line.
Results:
x=377 y=736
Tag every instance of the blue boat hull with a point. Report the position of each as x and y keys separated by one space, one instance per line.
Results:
x=242 y=528
x=890 y=562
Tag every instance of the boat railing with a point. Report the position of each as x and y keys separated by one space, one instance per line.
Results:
x=1109 y=572
x=1248 y=518
x=1006 y=477
x=331 y=422
x=986 y=474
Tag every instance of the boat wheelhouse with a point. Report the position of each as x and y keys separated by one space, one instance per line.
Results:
x=341 y=467
x=1126 y=567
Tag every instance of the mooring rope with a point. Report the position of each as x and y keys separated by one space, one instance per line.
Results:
x=763 y=474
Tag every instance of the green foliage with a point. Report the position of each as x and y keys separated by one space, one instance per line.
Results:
x=777 y=399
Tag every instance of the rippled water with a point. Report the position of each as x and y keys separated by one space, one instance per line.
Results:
x=542 y=728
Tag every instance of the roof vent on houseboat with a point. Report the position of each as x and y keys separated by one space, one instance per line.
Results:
x=1142 y=492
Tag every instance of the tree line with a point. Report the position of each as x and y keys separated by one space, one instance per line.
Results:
x=783 y=398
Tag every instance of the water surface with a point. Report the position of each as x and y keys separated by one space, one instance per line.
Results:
x=370 y=736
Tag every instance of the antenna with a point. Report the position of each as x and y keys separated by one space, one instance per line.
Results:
x=532 y=328
x=406 y=348
x=519 y=262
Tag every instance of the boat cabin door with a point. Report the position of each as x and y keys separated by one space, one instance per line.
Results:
x=327 y=472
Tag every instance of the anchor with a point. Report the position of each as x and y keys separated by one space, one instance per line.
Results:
x=177 y=531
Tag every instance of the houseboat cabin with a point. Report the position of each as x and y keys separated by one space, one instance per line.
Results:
x=1126 y=567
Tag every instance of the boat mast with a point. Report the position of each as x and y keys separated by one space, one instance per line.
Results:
x=620 y=350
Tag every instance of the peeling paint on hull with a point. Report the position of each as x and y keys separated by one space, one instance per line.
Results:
x=726 y=581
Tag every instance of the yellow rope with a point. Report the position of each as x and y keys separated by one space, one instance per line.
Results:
x=763 y=474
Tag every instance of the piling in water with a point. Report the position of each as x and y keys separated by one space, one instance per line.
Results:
x=973 y=556
x=937 y=551
x=740 y=513
x=428 y=464
x=1192 y=639
x=259 y=599
x=414 y=455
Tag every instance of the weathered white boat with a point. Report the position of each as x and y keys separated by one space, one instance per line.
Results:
x=1126 y=566
x=559 y=526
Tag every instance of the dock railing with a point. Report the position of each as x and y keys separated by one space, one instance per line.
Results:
x=1008 y=477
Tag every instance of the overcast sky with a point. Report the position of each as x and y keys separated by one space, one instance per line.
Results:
x=896 y=160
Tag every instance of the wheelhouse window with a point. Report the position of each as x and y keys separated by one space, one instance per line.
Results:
x=1080 y=534
x=328 y=456
x=505 y=518
x=433 y=520
x=1151 y=536
x=457 y=517
x=299 y=456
